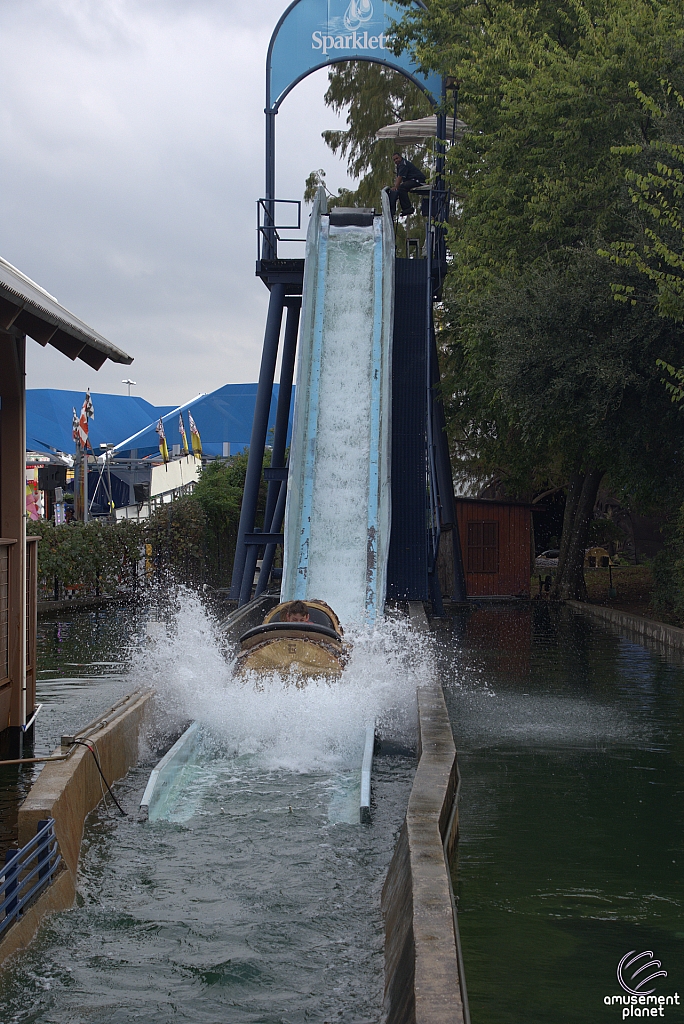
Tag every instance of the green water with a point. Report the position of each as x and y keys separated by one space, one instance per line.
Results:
x=255 y=899
x=82 y=664
x=571 y=847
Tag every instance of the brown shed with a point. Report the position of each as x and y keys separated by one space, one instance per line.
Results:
x=495 y=543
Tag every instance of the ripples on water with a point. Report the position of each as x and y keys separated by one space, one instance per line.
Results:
x=83 y=660
x=571 y=849
x=254 y=903
x=254 y=906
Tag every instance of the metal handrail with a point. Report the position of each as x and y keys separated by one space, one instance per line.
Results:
x=43 y=850
x=267 y=232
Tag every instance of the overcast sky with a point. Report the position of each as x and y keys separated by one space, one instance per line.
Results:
x=131 y=161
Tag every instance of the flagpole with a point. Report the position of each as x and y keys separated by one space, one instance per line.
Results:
x=84 y=463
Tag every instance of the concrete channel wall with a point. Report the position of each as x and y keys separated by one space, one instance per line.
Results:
x=649 y=629
x=67 y=791
x=422 y=983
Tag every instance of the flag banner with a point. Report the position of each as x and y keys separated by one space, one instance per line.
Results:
x=74 y=427
x=195 y=436
x=184 y=439
x=163 y=447
x=87 y=413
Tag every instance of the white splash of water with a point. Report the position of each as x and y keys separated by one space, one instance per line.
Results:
x=289 y=723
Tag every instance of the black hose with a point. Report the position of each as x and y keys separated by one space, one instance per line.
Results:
x=83 y=743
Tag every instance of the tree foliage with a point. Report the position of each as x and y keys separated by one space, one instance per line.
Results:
x=547 y=379
x=176 y=534
x=373 y=96
x=545 y=90
x=655 y=176
x=546 y=373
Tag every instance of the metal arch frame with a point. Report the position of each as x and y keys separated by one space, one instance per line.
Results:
x=271 y=109
x=269 y=53
x=249 y=539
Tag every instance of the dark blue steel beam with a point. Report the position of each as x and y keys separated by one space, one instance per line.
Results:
x=269 y=553
x=270 y=247
x=275 y=487
x=294 y=305
x=279 y=439
x=257 y=442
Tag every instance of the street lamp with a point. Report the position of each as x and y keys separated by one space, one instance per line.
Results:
x=129 y=382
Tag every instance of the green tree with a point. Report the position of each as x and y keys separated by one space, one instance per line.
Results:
x=561 y=386
x=655 y=178
x=545 y=90
x=176 y=533
x=219 y=495
x=373 y=96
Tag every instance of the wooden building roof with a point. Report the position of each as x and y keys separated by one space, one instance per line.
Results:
x=28 y=308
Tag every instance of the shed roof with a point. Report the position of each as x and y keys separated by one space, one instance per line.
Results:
x=29 y=308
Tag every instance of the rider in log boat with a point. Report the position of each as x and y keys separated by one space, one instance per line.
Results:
x=303 y=637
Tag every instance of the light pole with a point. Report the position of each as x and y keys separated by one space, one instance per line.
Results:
x=129 y=382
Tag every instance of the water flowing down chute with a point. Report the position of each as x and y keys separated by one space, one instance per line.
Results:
x=337 y=523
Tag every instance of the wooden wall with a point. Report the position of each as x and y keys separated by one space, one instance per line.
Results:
x=495 y=542
x=13 y=694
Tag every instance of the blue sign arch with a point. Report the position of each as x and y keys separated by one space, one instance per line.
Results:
x=313 y=34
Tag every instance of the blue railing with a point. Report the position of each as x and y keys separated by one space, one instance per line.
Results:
x=268 y=230
x=27 y=872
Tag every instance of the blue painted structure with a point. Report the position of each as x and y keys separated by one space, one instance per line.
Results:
x=328 y=29
x=223 y=416
x=313 y=34
x=337 y=526
x=27 y=872
x=49 y=418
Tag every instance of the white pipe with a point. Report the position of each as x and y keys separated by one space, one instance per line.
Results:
x=366 y=766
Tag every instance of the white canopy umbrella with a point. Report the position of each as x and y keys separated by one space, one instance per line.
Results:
x=415 y=132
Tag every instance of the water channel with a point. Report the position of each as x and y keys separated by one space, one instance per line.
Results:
x=258 y=902
x=571 y=853
x=258 y=898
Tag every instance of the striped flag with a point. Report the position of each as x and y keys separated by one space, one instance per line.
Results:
x=163 y=447
x=184 y=439
x=87 y=413
x=195 y=436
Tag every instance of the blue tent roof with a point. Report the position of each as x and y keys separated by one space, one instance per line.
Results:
x=49 y=418
x=223 y=416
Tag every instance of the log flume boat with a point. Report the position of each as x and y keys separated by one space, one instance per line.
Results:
x=311 y=646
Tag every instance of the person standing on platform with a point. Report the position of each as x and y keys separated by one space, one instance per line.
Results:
x=408 y=177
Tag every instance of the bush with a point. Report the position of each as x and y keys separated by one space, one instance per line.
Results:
x=94 y=556
x=192 y=538
x=177 y=535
